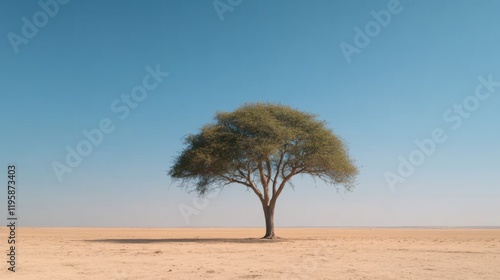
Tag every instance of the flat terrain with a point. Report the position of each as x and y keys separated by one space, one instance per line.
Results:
x=116 y=253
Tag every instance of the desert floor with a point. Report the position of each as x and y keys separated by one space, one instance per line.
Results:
x=208 y=253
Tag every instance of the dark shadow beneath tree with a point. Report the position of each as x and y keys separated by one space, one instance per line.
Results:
x=186 y=240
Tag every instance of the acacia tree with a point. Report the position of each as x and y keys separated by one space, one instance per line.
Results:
x=261 y=146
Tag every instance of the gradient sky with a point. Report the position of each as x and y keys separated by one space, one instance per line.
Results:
x=394 y=90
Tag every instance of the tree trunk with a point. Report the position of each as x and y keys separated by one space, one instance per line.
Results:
x=269 y=214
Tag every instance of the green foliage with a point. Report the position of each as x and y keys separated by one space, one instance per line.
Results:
x=265 y=143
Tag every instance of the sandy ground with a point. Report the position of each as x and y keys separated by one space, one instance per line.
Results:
x=113 y=253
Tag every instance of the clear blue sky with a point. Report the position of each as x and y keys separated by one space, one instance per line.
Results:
x=394 y=90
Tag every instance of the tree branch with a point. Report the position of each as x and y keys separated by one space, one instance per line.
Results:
x=252 y=185
x=232 y=180
x=264 y=181
x=249 y=183
x=275 y=181
x=242 y=174
x=269 y=170
x=282 y=185
x=257 y=192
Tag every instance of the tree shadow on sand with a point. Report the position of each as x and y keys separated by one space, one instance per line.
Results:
x=187 y=240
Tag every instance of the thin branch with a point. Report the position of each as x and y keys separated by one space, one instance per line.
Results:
x=232 y=180
x=264 y=181
x=275 y=181
x=282 y=185
x=257 y=192
x=269 y=170
x=242 y=174
x=252 y=185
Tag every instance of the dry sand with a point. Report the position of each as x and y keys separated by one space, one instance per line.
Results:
x=114 y=253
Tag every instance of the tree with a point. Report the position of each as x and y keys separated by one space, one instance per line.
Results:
x=262 y=146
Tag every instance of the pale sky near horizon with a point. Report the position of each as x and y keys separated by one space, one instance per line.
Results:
x=432 y=68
